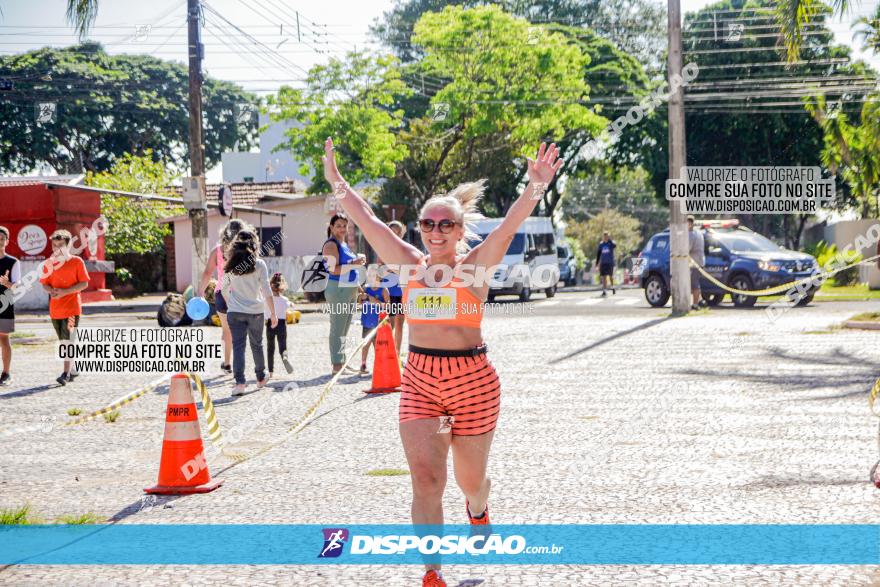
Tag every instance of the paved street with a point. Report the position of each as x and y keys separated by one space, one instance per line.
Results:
x=611 y=413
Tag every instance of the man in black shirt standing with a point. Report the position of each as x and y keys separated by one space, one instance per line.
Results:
x=10 y=275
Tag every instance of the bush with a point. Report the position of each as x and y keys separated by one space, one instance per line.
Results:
x=123 y=275
x=829 y=259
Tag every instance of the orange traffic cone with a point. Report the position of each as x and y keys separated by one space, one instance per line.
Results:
x=183 y=469
x=386 y=368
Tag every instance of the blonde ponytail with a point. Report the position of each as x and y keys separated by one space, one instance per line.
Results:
x=463 y=201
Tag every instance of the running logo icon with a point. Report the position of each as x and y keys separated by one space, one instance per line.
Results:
x=334 y=540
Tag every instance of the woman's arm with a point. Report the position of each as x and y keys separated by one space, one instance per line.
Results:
x=210 y=266
x=389 y=248
x=330 y=252
x=541 y=172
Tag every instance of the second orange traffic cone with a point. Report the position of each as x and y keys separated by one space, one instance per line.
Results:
x=182 y=469
x=386 y=365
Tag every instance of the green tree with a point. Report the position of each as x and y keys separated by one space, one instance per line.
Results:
x=108 y=105
x=868 y=30
x=624 y=231
x=637 y=27
x=353 y=102
x=506 y=85
x=739 y=108
x=626 y=190
x=797 y=17
x=81 y=15
x=852 y=151
x=133 y=224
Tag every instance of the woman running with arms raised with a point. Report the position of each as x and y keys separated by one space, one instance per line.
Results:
x=449 y=385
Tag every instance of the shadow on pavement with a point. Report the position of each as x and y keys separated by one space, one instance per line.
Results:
x=27 y=392
x=607 y=339
x=781 y=482
x=145 y=504
x=854 y=371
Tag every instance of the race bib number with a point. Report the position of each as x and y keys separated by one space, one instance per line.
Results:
x=432 y=303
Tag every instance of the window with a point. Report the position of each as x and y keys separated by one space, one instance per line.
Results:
x=661 y=243
x=712 y=246
x=543 y=244
x=752 y=243
x=270 y=237
x=517 y=245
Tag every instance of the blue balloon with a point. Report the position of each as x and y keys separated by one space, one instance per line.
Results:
x=197 y=308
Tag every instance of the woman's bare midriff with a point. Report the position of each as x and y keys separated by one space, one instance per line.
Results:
x=445 y=337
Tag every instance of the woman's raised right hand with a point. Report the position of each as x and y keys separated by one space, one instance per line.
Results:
x=331 y=173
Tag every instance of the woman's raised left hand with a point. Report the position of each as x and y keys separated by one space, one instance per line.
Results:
x=543 y=168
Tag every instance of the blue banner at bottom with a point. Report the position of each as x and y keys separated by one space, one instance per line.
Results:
x=233 y=544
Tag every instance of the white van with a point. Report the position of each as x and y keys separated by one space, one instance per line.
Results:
x=530 y=260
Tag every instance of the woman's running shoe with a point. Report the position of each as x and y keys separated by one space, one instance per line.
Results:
x=433 y=578
x=480 y=521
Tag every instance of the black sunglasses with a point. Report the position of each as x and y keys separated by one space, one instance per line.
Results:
x=446 y=225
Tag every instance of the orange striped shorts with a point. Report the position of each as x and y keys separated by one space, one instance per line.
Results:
x=461 y=384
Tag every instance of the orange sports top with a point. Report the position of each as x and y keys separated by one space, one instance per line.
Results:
x=449 y=305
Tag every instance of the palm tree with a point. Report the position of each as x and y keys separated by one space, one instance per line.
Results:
x=81 y=14
x=868 y=29
x=794 y=15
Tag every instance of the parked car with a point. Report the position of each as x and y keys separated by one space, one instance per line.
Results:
x=567 y=267
x=736 y=256
x=530 y=260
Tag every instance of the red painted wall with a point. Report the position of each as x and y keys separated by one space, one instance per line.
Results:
x=23 y=207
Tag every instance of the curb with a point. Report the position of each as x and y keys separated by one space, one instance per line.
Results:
x=862 y=325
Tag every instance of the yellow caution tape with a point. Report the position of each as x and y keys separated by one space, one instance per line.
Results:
x=301 y=422
x=91 y=416
x=872 y=398
x=779 y=288
x=120 y=402
x=213 y=424
x=874 y=475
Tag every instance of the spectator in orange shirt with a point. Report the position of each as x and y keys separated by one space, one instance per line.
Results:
x=64 y=275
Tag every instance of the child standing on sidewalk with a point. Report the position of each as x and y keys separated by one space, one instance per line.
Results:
x=279 y=332
x=64 y=275
x=374 y=299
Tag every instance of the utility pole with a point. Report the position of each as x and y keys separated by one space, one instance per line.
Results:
x=197 y=207
x=678 y=236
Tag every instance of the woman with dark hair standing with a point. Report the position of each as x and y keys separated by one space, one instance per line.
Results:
x=341 y=296
x=247 y=290
x=216 y=261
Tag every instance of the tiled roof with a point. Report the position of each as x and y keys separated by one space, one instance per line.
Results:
x=36 y=179
x=249 y=194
